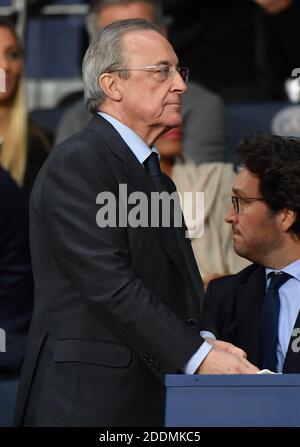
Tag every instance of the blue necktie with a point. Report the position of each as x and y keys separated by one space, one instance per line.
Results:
x=152 y=165
x=269 y=320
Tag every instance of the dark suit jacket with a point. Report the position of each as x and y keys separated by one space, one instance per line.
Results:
x=232 y=311
x=16 y=282
x=115 y=308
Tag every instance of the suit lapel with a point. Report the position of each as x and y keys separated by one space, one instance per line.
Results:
x=292 y=359
x=141 y=181
x=250 y=296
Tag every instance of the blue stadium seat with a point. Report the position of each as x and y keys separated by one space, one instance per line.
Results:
x=48 y=118
x=55 y=47
x=244 y=119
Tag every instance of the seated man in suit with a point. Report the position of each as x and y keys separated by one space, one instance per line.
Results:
x=204 y=128
x=258 y=308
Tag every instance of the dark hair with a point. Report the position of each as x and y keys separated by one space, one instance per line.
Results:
x=5 y=22
x=275 y=160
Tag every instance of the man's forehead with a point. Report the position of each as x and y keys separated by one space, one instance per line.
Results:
x=141 y=43
x=246 y=181
x=144 y=37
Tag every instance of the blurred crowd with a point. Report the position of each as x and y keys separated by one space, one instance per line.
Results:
x=238 y=51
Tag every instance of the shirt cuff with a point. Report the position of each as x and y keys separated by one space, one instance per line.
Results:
x=193 y=364
x=207 y=334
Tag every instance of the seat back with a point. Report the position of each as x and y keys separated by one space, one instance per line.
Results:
x=248 y=118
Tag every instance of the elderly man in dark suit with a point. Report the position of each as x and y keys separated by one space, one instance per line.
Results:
x=258 y=309
x=118 y=302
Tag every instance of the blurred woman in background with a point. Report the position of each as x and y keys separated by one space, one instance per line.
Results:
x=24 y=145
x=213 y=250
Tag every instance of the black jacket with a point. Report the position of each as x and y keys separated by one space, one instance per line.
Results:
x=115 y=308
x=232 y=310
x=16 y=282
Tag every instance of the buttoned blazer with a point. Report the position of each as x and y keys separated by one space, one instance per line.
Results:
x=116 y=308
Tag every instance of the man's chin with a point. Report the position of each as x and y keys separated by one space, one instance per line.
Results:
x=240 y=251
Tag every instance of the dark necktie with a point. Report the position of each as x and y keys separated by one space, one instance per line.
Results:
x=160 y=180
x=163 y=183
x=269 y=320
x=152 y=165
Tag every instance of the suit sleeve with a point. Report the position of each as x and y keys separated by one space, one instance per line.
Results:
x=16 y=282
x=209 y=319
x=97 y=263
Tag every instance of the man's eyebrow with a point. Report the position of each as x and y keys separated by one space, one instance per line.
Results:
x=164 y=62
x=237 y=191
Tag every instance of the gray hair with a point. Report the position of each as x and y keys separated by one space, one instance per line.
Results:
x=92 y=21
x=106 y=54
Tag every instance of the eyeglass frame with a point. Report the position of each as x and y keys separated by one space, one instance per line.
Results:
x=171 y=70
x=235 y=201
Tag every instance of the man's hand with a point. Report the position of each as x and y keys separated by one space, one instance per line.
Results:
x=274 y=6
x=219 y=361
x=225 y=346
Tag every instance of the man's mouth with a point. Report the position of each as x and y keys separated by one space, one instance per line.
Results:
x=173 y=134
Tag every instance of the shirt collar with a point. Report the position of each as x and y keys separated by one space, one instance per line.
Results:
x=293 y=269
x=133 y=141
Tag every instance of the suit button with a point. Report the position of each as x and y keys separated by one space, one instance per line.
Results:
x=156 y=367
x=146 y=357
x=191 y=323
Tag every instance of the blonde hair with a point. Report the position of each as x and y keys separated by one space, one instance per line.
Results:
x=13 y=154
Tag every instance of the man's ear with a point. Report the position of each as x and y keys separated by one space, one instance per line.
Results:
x=287 y=218
x=109 y=84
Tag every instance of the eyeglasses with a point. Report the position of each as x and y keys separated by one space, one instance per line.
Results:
x=163 y=72
x=238 y=201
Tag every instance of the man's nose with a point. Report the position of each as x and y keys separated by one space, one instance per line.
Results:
x=230 y=216
x=180 y=84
